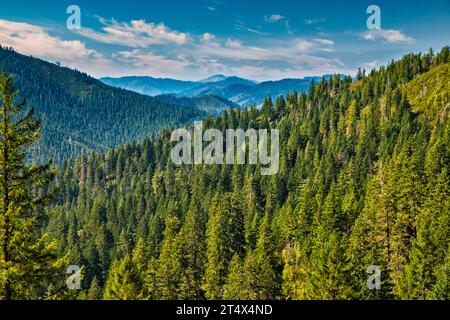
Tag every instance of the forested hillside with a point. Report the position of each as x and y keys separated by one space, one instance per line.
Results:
x=81 y=114
x=364 y=180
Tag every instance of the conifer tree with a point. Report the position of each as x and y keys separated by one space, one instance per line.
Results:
x=260 y=265
x=219 y=250
x=429 y=247
x=95 y=291
x=441 y=289
x=27 y=261
x=237 y=286
x=169 y=263
x=192 y=242
x=294 y=272
x=124 y=281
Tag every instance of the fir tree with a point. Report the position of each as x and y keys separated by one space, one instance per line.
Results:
x=27 y=261
x=124 y=281
x=95 y=291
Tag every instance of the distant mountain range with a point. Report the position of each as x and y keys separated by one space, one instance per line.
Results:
x=247 y=94
x=150 y=86
x=238 y=91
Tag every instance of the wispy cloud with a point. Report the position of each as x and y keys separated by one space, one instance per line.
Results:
x=241 y=26
x=388 y=35
x=284 y=58
x=314 y=21
x=287 y=25
x=151 y=63
x=292 y=51
x=280 y=18
x=274 y=18
x=324 y=41
x=136 y=34
x=211 y=8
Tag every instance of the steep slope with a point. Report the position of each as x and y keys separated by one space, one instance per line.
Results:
x=429 y=93
x=80 y=113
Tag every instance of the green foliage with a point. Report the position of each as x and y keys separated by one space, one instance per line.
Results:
x=28 y=261
x=95 y=291
x=124 y=281
x=363 y=181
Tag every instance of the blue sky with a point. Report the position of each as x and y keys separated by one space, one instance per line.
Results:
x=259 y=40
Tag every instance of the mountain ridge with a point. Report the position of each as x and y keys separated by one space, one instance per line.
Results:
x=240 y=91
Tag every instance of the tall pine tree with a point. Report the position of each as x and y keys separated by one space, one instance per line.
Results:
x=27 y=261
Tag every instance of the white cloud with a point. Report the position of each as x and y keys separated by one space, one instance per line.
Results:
x=208 y=37
x=136 y=34
x=274 y=18
x=314 y=21
x=201 y=56
x=388 y=35
x=232 y=43
x=297 y=51
x=144 y=62
x=324 y=41
x=205 y=67
x=211 y=8
x=269 y=60
x=35 y=40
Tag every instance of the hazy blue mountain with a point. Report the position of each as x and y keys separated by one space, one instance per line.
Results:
x=246 y=95
x=215 y=78
x=215 y=84
x=150 y=86
x=243 y=92
x=161 y=86
x=229 y=81
x=208 y=103
x=255 y=95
